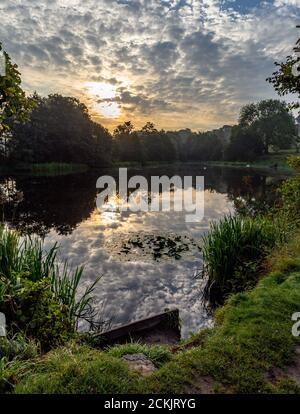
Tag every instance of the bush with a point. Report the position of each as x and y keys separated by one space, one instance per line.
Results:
x=33 y=310
x=37 y=294
x=290 y=189
x=233 y=251
x=245 y=145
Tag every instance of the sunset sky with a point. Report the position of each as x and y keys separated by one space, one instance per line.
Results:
x=178 y=63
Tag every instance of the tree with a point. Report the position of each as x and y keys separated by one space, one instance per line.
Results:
x=157 y=145
x=149 y=128
x=287 y=78
x=124 y=129
x=271 y=122
x=244 y=145
x=13 y=102
x=60 y=130
x=205 y=146
x=127 y=146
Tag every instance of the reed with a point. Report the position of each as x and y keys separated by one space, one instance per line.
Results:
x=26 y=258
x=233 y=251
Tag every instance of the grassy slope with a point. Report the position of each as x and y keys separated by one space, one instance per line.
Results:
x=252 y=335
x=263 y=163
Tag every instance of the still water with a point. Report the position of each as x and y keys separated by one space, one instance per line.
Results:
x=149 y=261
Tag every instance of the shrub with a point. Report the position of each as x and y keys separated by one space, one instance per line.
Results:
x=232 y=253
x=290 y=189
x=37 y=294
x=33 y=310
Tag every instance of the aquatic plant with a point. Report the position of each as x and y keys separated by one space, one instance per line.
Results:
x=32 y=278
x=233 y=251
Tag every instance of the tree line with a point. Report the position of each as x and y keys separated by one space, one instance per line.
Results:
x=60 y=129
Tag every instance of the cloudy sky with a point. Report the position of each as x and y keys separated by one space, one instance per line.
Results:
x=178 y=63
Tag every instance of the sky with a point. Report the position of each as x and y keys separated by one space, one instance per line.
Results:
x=177 y=63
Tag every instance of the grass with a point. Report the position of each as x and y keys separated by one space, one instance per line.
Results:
x=53 y=168
x=26 y=260
x=233 y=251
x=79 y=370
x=158 y=354
x=266 y=162
x=252 y=336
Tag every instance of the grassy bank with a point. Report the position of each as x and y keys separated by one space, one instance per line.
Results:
x=47 y=169
x=274 y=162
x=251 y=341
x=53 y=168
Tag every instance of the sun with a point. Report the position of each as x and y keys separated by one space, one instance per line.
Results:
x=103 y=94
x=101 y=90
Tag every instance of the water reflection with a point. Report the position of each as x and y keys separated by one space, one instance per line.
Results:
x=133 y=285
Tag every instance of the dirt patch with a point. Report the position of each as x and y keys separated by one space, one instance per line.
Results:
x=291 y=371
x=202 y=385
x=140 y=363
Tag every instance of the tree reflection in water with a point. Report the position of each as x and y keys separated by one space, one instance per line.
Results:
x=36 y=205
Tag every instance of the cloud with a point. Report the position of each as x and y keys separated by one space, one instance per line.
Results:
x=180 y=63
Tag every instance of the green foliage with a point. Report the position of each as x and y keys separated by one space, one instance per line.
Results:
x=283 y=80
x=252 y=336
x=206 y=146
x=233 y=251
x=290 y=189
x=55 y=168
x=64 y=285
x=13 y=371
x=149 y=144
x=16 y=354
x=13 y=103
x=271 y=122
x=245 y=145
x=33 y=310
x=59 y=130
x=37 y=294
x=158 y=354
x=18 y=347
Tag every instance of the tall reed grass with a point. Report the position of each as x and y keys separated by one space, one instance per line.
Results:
x=233 y=251
x=26 y=258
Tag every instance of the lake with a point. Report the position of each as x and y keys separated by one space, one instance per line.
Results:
x=149 y=261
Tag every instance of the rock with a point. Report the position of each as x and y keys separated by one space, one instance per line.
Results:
x=140 y=363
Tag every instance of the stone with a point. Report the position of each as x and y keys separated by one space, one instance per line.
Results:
x=140 y=363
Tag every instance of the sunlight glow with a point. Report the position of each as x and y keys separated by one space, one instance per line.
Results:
x=101 y=90
x=108 y=109
x=102 y=93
